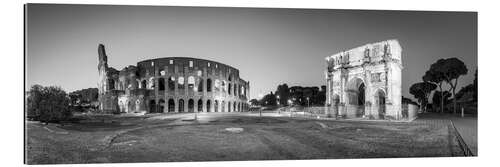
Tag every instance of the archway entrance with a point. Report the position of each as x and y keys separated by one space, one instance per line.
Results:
x=161 y=105
x=380 y=101
x=356 y=93
x=200 y=105
x=171 y=105
x=216 y=106
x=190 y=105
x=181 y=105
x=223 y=105
x=152 y=106
x=208 y=106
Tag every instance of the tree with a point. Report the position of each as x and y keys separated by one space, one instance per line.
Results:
x=48 y=104
x=475 y=85
x=442 y=97
x=422 y=91
x=254 y=102
x=451 y=70
x=434 y=75
x=269 y=100
x=284 y=93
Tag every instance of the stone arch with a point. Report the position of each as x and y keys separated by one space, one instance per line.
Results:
x=380 y=103
x=209 y=85
x=200 y=85
x=171 y=83
x=200 y=105
x=208 y=106
x=152 y=106
x=181 y=105
x=191 y=82
x=190 y=105
x=223 y=106
x=229 y=88
x=161 y=105
x=216 y=106
x=171 y=105
x=234 y=107
x=356 y=91
x=229 y=106
x=161 y=83
x=180 y=83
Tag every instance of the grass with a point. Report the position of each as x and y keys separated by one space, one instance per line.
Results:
x=137 y=139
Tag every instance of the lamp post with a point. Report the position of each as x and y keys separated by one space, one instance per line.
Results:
x=278 y=103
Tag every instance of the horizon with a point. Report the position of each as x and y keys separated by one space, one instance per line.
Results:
x=269 y=46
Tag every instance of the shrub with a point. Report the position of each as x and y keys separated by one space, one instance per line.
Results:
x=48 y=104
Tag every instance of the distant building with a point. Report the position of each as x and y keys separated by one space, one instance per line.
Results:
x=366 y=81
x=171 y=84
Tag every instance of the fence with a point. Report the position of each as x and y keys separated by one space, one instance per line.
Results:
x=461 y=142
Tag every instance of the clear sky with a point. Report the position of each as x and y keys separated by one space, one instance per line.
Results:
x=268 y=46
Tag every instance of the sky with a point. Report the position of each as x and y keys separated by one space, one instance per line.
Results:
x=269 y=46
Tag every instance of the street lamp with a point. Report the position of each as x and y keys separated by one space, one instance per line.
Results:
x=278 y=102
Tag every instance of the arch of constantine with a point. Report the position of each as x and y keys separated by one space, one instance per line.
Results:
x=365 y=82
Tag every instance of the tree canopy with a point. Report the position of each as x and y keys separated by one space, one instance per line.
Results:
x=421 y=91
x=48 y=104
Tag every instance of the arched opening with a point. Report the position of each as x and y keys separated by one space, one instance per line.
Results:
x=216 y=106
x=209 y=85
x=152 y=106
x=380 y=102
x=181 y=105
x=161 y=84
x=161 y=105
x=223 y=105
x=180 y=83
x=208 y=106
x=356 y=94
x=191 y=83
x=229 y=106
x=171 y=83
x=200 y=105
x=234 y=107
x=229 y=89
x=190 y=105
x=143 y=84
x=171 y=105
x=235 y=90
x=200 y=85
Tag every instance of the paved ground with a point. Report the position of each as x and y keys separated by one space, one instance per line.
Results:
x=466 y=126
x=179 y=137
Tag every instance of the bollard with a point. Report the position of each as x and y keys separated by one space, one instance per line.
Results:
x=462 y=112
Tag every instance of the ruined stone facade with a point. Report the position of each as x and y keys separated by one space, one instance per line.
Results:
x=365 y=81
x=171 y=84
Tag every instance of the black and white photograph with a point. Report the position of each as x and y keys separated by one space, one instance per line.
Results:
x=118 y=83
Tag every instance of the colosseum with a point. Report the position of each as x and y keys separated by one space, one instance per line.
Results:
x=171 y=84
